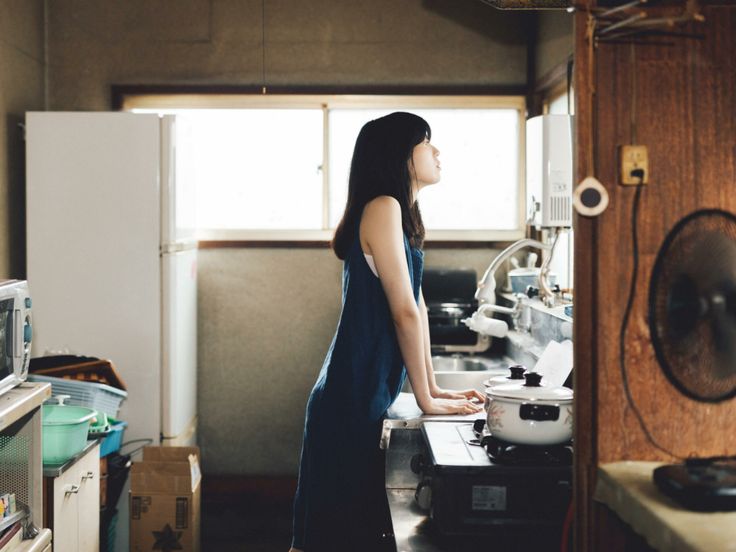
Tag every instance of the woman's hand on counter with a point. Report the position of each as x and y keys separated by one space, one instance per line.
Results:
x=470 y=394
x=451 y=406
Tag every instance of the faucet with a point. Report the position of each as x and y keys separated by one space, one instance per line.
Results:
x=486 y=292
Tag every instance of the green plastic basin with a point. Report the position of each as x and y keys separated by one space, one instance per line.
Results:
x=64 y=431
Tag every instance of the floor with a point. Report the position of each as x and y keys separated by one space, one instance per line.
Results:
x=229 y=526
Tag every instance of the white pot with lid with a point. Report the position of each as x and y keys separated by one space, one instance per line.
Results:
x=530 y=413
x=515 y=375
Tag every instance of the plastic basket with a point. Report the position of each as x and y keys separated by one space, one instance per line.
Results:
x=98 y=396
x=113 y=440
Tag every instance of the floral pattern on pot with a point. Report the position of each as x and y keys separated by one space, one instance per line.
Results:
x=568 y=419
x=495 y=415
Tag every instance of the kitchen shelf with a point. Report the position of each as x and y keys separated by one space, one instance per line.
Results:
x=21 y=512
x=627 y=489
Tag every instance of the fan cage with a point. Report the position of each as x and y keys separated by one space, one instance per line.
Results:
x=691 y=365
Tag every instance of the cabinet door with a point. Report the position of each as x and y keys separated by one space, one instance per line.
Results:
x=89 y=501
x=66 y=518
x=77 y=505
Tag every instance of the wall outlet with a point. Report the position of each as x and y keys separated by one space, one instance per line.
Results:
x=634 y=165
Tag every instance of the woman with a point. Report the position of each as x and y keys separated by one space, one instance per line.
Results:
x=340 y=503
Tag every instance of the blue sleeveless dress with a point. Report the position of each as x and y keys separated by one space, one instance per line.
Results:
x=340 y=502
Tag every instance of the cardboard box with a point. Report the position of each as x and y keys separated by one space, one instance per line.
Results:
x=165 y=500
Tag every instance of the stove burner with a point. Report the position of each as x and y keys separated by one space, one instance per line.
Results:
x=501 y=452
x=510 y=454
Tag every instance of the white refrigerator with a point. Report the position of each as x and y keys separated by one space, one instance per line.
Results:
x=112 y=259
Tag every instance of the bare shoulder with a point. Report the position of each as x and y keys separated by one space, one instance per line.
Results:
x=381 y=220
x=382 y=209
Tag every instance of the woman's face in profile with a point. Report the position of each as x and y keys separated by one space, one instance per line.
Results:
x=425 y=165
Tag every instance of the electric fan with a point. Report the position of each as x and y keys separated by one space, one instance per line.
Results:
x=692 y=321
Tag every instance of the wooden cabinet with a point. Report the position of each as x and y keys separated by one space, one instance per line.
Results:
x=73 y=504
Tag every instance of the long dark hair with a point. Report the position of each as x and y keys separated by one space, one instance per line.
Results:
x=380 y=166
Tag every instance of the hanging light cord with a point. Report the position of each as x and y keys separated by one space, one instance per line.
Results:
x=263 y=45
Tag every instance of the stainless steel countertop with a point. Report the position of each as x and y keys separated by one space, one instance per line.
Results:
x=406 y=414
x=406 y=409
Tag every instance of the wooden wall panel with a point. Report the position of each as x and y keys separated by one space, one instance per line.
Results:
x=685 y=108
x=685 y=113
x=586 y=306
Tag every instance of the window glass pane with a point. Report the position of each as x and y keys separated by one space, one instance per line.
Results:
x=344 y=126
x=479 y=151
x=257 y=168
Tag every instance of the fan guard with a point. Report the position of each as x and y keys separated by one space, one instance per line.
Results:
x=692 y=305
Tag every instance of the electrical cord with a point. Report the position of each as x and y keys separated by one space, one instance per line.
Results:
x=624 y=326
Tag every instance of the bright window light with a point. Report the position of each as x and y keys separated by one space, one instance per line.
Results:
x=279 y=169
x=479 y=152
x=258 y=168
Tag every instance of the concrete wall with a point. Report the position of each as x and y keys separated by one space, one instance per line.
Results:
x=267 y=315
x=21 y=89
x=322 y=42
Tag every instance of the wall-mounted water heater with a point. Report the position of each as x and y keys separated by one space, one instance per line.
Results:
x=549 y=171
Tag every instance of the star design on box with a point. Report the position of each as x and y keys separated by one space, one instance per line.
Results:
x=167 y=539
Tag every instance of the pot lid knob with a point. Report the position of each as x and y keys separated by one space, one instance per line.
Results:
x=517 y=371
x=533 y=379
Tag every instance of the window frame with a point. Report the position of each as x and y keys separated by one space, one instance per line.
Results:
x=325 y=102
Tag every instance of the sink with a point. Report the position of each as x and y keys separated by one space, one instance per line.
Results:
x=464 y=363
x=465 y=371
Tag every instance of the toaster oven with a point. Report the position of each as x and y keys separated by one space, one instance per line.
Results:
x=16 y=332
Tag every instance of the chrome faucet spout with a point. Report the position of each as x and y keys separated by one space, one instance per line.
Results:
x=486 y=292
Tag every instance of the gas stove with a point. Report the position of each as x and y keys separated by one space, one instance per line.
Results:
x=481 y=486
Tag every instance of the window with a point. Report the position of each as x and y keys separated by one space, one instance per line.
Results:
x=276 y=167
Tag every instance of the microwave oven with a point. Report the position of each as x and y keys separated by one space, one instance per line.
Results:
x=16 y=332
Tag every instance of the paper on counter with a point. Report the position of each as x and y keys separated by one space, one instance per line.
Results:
x=555 y=364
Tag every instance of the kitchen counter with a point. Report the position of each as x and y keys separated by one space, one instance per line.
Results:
x=628 y=490
x=19 y=401
x=405 y=413
x=55 y=470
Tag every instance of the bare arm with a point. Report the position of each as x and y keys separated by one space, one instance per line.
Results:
x=382 y=232
x=433 y=389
